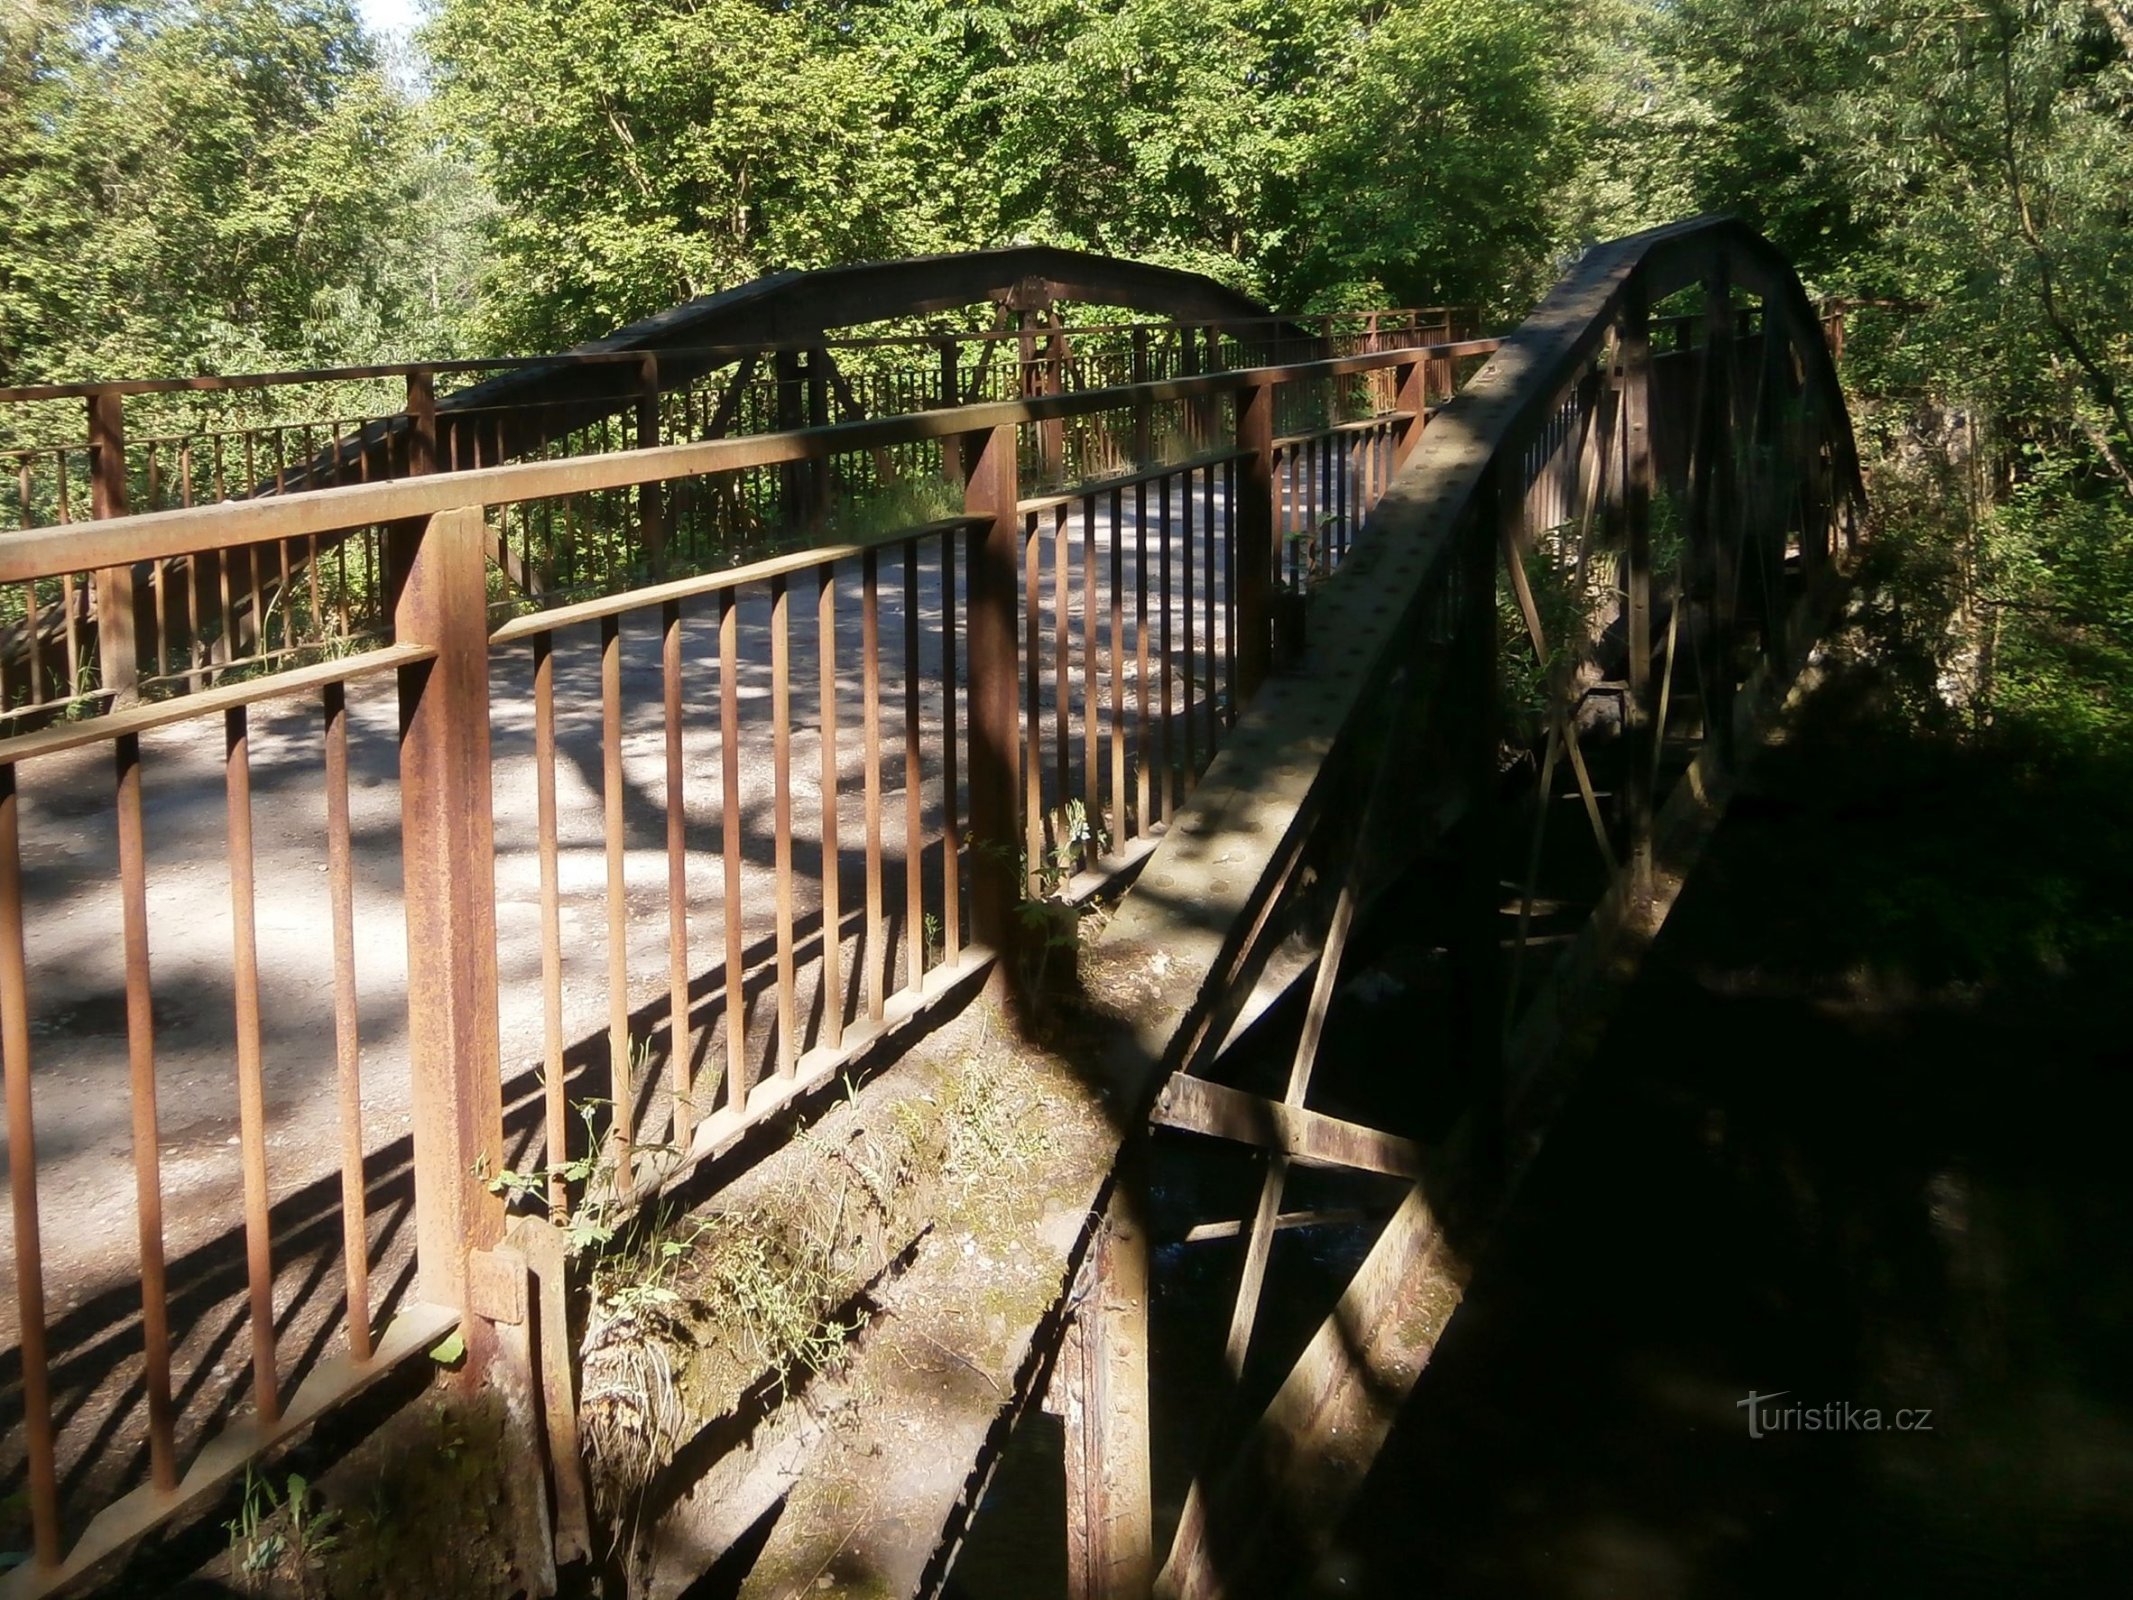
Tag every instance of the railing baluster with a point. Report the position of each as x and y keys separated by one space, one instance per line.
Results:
x=1210 y=610
x=788 y=1044
x=1635 y=349
x=678 y=1033
x=147 y=1163
x=738 y=1080
x=554 y=1088
x=914 y=785
x=340 y=879
x=870 y=711
x=1169 y=784
x=1190 y=775
x=1062 y=662
x=1092 y=771
x=832 y=906
x=22 y=1185
x=251 y=1079
x=620 y=1047
x=1117 y=820
x=951 y=827
x=1141 y=818
x=1033 y=708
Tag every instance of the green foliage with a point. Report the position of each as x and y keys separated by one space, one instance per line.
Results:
x=280 y=1528
x=1429 y=171
x=209 y=184
x=1314 y=152
x=645 y=153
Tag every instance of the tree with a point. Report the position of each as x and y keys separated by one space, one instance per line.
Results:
x=1973 y=167
x=645 y=152
x=197 y=183
x=1302 y=151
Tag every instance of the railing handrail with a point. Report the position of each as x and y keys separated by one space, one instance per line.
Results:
x=121 y=541
x=213 y=383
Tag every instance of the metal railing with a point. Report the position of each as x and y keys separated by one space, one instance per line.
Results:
x=798 y=832
x=178 y=625
x=1605 y=557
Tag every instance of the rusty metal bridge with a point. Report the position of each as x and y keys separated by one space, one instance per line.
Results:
x=446 y=833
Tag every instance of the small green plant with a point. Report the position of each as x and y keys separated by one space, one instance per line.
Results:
x=641 y=1279
x=1304 y=565
x=1075 y=838
x=314 y=1529
x=271 y=1525
x=254 y=1546
x=590 y=1223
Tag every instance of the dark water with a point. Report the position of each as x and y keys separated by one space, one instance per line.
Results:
x=1856 y=1142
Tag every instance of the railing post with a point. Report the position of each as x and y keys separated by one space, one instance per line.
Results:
x=1143 y=411
x=1498 y=525
x=1635 y=347
x=1411 y=395
x=1211 y=404
x=448 y=847
x=994 y=562
x=1252 y=530
x=651 y=497
x=794 y=480
x=1721 y=519
x=117 y=646
x=1051 y=433
x=1816 y=523
x=1099 y=1391
x=421 y=422
x=818 y=416
x=402 y=538
x=951 y=396
x=1189 y=367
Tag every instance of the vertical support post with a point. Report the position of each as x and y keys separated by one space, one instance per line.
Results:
x=39 y=1437
x=1189 y=367
x=651 y=497
x=1635 y=348
x=421 y=422
x=447 y=839
x=1804 y=433
x=1100 y=1392
x=818 y=416
x=1252 y=529
x=1411 y=396
x=1499 y=510
x=951 y=396
x=117 y=646
x=1051 y=433
x=1211 y=405
x=794 y=480
x=1721 y=518
x=1143 y=409
x=994 y=566
x=402 y=538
